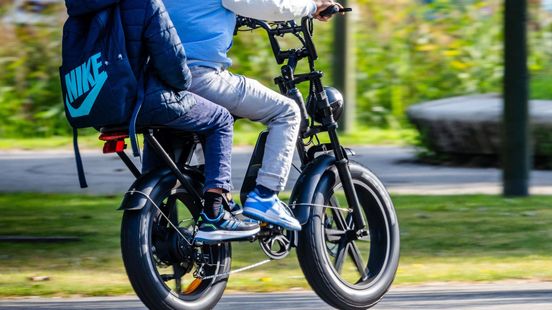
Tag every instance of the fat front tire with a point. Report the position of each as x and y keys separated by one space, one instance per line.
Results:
x=139 y=239
x=348 y=271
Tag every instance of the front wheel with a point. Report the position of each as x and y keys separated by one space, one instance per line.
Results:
x=349 y=270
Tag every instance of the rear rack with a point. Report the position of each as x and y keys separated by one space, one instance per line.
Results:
x=115 y=142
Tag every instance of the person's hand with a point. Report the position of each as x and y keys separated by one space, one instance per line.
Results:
x=321 y=6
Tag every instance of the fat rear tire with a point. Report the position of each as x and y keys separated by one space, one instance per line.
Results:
x=139 y=264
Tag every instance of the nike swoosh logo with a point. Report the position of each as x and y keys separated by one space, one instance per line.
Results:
x=88 y=102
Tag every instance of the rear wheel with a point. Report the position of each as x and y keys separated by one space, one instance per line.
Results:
x=348 y=270
x=164 y=268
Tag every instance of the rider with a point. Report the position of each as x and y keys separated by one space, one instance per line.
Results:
x=206 y=28
x=149 y=33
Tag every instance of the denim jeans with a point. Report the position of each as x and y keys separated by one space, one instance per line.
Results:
x=216 y=125
x=248 y=98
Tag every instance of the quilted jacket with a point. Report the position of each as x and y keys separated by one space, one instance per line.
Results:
x=149 y=33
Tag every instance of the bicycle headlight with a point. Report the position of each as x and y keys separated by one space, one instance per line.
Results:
x=335 y=98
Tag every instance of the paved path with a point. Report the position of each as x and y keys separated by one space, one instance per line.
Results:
x=55 y=172
x=534 y=296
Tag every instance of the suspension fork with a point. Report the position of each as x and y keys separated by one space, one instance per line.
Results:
x=341 y=160
x=342 y=164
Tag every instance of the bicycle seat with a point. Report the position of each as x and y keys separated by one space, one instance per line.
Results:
x=122 y=130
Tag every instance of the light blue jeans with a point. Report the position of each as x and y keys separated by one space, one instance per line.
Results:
x=247 y=98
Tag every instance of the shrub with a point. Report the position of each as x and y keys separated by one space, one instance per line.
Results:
x=406 y=53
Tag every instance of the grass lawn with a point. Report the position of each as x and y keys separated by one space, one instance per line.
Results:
x=246 y=134
x=444 y=238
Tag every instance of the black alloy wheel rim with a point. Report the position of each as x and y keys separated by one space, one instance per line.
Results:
x=356 y=260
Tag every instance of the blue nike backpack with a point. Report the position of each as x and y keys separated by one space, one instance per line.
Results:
x=98 y=85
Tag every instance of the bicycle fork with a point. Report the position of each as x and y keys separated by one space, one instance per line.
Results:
x=341 y=160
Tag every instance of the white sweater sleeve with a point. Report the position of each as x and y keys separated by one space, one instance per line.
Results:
x=271 y=10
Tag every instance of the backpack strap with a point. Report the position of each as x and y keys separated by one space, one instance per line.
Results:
x=139 y=101
x=78 y=159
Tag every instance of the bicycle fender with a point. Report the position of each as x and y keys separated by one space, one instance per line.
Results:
x=305 y=187
x=145 y=185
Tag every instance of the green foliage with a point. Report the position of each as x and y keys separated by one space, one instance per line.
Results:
x=30 y=102
x=415 y=53
x=406 y=53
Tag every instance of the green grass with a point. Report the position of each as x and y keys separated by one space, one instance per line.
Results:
x=541 y=84
x=246 y=134
x=444 y=238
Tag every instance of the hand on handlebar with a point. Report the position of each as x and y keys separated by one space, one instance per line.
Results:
x=322 y=5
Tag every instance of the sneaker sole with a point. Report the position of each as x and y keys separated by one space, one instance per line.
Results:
x=224 y=235
x=261 y=216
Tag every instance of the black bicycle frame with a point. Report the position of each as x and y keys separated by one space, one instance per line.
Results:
x=288 y=82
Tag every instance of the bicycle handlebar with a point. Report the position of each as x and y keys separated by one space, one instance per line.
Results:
x=281 y=28
x=334 y=9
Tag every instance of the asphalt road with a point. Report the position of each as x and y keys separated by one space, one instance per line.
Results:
x=54 y=172
x=511 y=296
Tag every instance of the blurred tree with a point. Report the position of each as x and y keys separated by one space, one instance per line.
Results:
x=405 y=53
x=344 y=66
x=516 y=155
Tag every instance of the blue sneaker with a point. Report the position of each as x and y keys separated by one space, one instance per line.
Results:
x=270 y=210
x=225 y=227
x=234 y=207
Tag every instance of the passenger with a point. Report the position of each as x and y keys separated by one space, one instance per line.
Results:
x=150 y=34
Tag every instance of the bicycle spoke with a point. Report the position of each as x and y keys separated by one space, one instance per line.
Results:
x=354 y=252
x=167 y=277
x=178 y=285
x=341 y=254
x=334 y=235
x=178 y=273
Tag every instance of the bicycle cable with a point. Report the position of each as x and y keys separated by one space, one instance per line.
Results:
x=321 y=206
x=162 y=214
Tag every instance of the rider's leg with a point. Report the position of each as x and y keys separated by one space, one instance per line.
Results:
x=215 y=124
x=248 y=98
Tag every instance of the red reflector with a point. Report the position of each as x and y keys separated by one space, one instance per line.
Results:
x=114 y=146
x=113 y=136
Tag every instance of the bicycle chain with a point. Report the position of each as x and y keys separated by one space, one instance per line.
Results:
x=260 y=263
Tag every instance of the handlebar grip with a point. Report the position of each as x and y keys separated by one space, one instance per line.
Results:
x=330 y=11
x=334 y=9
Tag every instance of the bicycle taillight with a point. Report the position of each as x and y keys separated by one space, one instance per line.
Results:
x=114 y=142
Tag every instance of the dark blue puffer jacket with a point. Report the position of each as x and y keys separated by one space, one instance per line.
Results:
x=149 y=32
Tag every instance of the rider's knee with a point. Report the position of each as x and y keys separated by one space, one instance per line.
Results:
x=293 y=113
x=225 y=119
